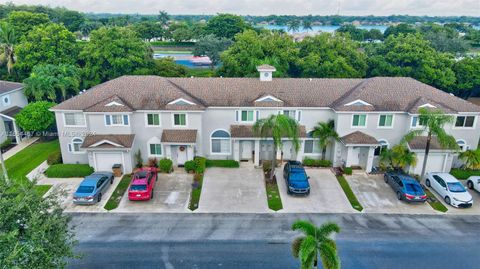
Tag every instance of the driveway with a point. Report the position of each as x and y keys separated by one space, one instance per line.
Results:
x=171 y=194
x=475 y=209
x=376 y=196
x=233 y=190
x=326 y=195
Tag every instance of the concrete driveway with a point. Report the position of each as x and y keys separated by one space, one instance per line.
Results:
x=326 y=195
x=233 y=190
x=475 y=209
x=376 y=196
x=171 y=194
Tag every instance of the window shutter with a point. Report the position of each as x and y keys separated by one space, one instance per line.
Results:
x=256 y=115
x=108 y=120
x=236 y=116
x=299 y=115
x=125 y=119
x=69 y=147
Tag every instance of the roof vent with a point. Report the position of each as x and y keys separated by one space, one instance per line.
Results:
x=266 y=72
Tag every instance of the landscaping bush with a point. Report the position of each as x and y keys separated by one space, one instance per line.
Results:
x=6 y=143
x=348 y=170
x=190 y=166
x=222 y=163
x=316 y=163
x=54 y=158
x=138 y=159
x=153 y=162
x=68 y=170
x=166 y=165
x=200 y=164
x=266 y=166
x=464 y=173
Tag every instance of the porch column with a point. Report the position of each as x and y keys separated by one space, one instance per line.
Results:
x=300 y=151
x=257 y=153
x=168 y=152
x=236 y=150
x=348 y=162
x=371 y=151
x=17 y=133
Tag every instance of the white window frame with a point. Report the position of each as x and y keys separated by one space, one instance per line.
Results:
x=74 y=126
x=248 y=110
x=71 y=147
x=149 y=151
x=220 y=138
x=180 y=126
x=464 y=144
x=9 y=100
x=386 y=127
x=359 y=127
x=313 y=153
x=111 y=120
x=463 y=127
x=386 y=143
x=417 y=126
x=294 y=112
x=152 y=125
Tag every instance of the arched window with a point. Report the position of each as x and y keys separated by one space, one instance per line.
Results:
x=311 y=145
x=75 y=145
x=462 y=145
x=383 y=146
x=220 y=141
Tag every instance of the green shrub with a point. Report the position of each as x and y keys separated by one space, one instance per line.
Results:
x=266 y=166
x=166 y=165
x=316 y=163
x=138 y=159
x=6 y=143
x=348 y=170
x=68 y=170
x=200 y=164
x=190 y=166
x=153 y=162
x=54 y=158
x=464 y=173
x=223 y=163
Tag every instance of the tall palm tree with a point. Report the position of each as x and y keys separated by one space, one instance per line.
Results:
x=398 y=157
x=163 y=17
x=277 y=127
x=325 y=132
x=293 y=26
x=307 y=25
x=8 y=40
x=432 y=122
x=316 y=243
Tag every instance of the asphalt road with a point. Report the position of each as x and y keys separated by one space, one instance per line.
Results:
x=263 y=240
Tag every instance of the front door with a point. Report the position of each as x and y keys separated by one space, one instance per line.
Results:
x=355 y=158
x=246 y=149
x=266 y=150
x=181 y=155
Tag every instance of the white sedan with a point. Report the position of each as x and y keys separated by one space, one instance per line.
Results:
x=473 y=183
x=451 y=190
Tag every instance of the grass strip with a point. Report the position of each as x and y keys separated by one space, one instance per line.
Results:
x=117 y=195
x=222 y=163
x=273 y=196
x=195 y=195
x=434 y=202
x=349 y=193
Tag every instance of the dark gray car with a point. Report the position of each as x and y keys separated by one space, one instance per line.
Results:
x=92 y=188
x=405 y=187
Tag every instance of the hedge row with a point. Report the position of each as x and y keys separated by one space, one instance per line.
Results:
x=316 y=163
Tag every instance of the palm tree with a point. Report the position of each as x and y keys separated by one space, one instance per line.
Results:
x=278 y=127
x=307 y=25
x=293 y=26
x=398 y=157
x=163 y=17
x=325 y=132
x=8 y=40
x=315 y=242
x=432 y=122
x=471 y=158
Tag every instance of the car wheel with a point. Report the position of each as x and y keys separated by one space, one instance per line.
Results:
x=399 y=195
x=99 y=198
x=427 y=182
x=470 y=185
x=385 y=178
x=447 y=200
x=151 y=195
x=111 y=181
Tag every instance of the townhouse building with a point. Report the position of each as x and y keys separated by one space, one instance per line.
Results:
x=179 y=118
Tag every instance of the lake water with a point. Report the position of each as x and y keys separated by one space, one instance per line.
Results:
x=323 y=28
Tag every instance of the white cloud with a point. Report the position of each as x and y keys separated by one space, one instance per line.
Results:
x=266 y=7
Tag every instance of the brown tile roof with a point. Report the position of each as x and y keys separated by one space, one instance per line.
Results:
x=11 y=112
x=420 y=142
x=246 y=131
x=266 y=67
x=474 y=100
x=383 y=93
x=179 y=136
x=110 y=104
x=7 y=86
x=358 y=138
x=125 y=141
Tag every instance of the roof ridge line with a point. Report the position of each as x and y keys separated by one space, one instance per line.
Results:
x=186 y=92
x=349 y=92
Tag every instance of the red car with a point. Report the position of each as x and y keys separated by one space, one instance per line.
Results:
x=143 y=182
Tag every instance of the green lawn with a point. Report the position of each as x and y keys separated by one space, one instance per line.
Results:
x=68 y=170
x=273 y=196
x=434 y=203
x=117 y=195
x=463 y=174
x=195 y=195
x=349 y=193
x=22 y=163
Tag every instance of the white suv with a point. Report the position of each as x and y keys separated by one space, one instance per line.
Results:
x=473 y=183
x=451 y=190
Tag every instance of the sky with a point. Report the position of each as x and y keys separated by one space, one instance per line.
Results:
x=268 y=7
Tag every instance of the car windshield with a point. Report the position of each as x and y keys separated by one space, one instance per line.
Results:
x=456 y=187
x=85 y=189
x=138 y=187
x=414 y=188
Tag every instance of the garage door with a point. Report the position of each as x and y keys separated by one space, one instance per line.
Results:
x=105 y=160
x=434 y=163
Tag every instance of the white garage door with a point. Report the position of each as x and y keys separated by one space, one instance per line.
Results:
x=435 y=163
x=105 y=160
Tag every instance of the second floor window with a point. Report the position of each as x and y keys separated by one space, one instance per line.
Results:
x=153 y=119
x=74 y=119
x=385 y=121
x=179 y=119
x=417 y=122
x=246 y=115
x=359 y=120
x=465 y=121
x=116 y=120
x=290 y=113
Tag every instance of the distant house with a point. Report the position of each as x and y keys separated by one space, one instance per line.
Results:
x=12 y=100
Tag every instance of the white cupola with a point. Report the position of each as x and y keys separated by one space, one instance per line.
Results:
x=266 y=72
